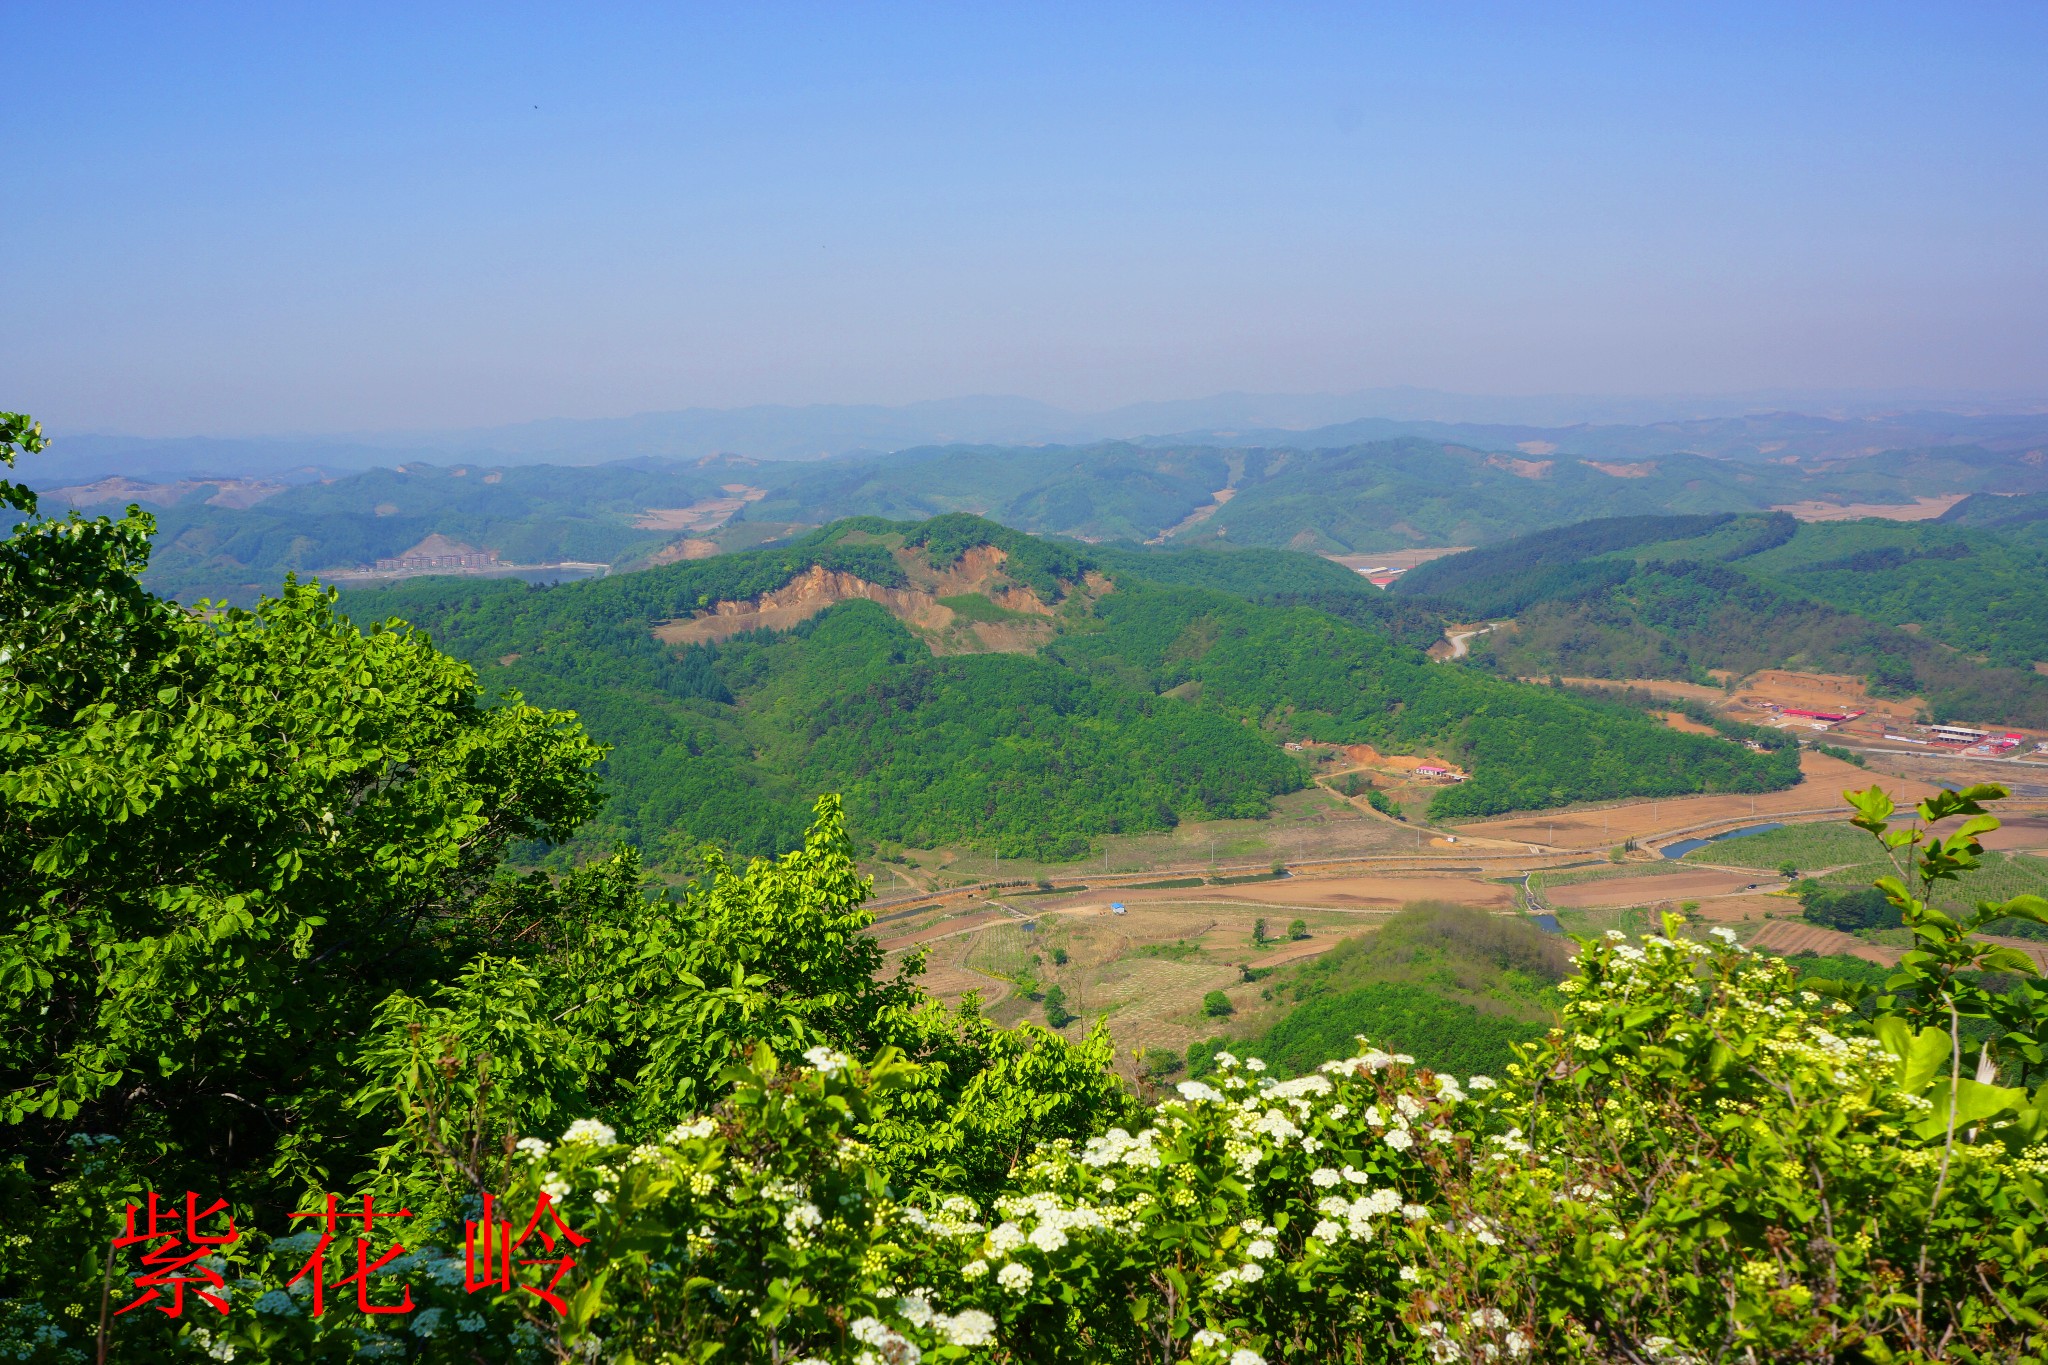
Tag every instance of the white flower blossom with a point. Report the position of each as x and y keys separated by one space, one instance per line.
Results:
x=535 y=1148
x=695 y=1129
x=827 y=1061
x=969 y=1327
x=1015 y=1277
x=1323 y=1178
x=592 y=1131
x=1398 y=1139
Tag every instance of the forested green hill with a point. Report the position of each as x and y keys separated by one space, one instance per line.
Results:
x=1302 y=671
x=1154 y=703
x=1453 y=985
x=1984 y=592
x=1652 y=597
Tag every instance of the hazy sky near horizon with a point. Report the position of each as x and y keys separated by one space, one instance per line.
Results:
x=282 y=218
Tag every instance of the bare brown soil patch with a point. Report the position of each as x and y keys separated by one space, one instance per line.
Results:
x=233 y=493
x=1679 y=885
x=706 y=514
x=918 y=606
x=1522 y=469
x=1920 y=509
x=1395 y=559
x=1641 y=469
x=1744 y=909
x=1781 y=688
x=1196 y=517
x=2028 y=833
x=1825 y=779
x=1678 y=720
x=690 y=547
x=1303 y=892
x=1786 y=937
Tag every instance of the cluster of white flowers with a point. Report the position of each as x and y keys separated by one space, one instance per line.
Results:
x=827 y=1061
x=1352 y=1218
x=536 y=1149
x=970 y=1327
x=1118 y=1148
x=1238 y=1277
x=695 y=1129
x=885 y=1345
x=592 y=1131
x=956 y=1217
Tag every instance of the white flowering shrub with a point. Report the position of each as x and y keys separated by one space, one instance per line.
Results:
x=1708 y=1163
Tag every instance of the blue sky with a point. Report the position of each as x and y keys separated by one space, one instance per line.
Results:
x=314 y=218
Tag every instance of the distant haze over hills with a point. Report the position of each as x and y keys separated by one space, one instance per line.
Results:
x=1751 y=426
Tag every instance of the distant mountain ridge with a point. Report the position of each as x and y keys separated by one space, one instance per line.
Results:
x=239 y=537
x=1743 y=428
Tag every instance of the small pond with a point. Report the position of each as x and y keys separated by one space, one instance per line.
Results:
x=1685 y=846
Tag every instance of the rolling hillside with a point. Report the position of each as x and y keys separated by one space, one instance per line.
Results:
x=1944 y=612
x=1326 y=491
x=965 y=683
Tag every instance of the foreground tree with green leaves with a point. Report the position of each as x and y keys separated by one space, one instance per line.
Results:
x=257 y=936
x=260 y=942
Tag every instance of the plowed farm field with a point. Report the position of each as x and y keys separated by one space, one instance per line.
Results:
x=1687 y=884
x=1825 y=780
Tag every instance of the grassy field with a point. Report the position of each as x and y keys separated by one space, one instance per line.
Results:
x=1004 y=950
x=1839 y=855
x=1810 y=847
